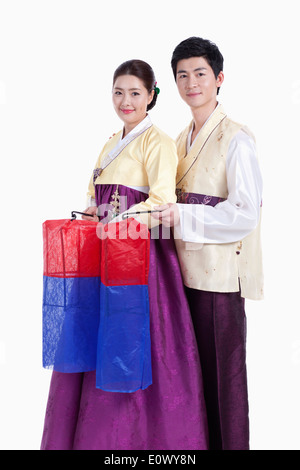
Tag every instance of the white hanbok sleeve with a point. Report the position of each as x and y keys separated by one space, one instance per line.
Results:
x=235 y=218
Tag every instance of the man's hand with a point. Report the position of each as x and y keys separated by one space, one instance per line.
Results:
x=168 y=215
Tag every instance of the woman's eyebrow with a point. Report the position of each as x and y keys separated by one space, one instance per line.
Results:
x=130 y=89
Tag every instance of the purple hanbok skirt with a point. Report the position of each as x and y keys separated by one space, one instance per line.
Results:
x=170 y=414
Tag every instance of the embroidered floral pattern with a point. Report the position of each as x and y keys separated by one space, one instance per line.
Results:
x=97 y=172
x=207 y=200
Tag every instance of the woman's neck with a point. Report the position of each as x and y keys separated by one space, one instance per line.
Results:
x=129 y=127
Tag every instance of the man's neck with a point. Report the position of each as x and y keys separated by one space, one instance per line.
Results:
x=201 y=115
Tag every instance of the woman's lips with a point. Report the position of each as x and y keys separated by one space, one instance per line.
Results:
x=127 y=111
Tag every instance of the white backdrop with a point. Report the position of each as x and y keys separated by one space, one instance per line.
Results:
x=56 y=63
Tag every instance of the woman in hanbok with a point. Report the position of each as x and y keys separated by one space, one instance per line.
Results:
x=139 y=162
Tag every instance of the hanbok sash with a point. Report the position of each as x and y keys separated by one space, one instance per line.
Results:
x=95 y=302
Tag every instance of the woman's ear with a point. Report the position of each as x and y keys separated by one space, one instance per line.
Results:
x=151 y=95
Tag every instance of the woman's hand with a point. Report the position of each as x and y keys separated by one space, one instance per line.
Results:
x=93 y=211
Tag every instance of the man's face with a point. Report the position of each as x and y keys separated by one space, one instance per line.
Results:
x=196 y=82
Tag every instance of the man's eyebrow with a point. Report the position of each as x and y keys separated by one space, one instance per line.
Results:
x=196 y=70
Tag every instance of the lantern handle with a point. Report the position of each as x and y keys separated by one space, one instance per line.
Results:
x=126 y=215
x=73 y=216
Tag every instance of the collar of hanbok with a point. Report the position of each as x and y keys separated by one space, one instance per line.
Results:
x=122 y=143
x=138 y=130
x=189 y=145
x=187 y=158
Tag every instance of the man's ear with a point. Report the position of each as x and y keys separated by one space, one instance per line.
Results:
x=220 y=79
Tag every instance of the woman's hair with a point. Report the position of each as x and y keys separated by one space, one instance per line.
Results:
x=198 y=47
x=141 y=70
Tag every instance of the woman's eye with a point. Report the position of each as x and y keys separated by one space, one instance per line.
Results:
x=135 y=94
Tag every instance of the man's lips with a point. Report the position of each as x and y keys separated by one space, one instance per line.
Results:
x=194 y=94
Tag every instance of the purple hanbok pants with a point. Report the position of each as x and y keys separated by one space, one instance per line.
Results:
x=220 y=326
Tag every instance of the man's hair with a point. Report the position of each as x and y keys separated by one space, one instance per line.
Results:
x=198 y=47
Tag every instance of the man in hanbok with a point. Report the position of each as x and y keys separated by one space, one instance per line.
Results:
x=217 y=229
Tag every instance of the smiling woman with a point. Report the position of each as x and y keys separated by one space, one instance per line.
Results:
x=143 y=71
x=131 y=100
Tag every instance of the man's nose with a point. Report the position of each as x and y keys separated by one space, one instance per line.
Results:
x=191 y=82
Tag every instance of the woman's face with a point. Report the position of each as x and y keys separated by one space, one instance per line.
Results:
x=130 y=100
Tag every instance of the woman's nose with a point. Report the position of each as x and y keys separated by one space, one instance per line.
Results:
x=126 y=99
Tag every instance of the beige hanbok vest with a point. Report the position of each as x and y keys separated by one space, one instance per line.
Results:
x=226 y=267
